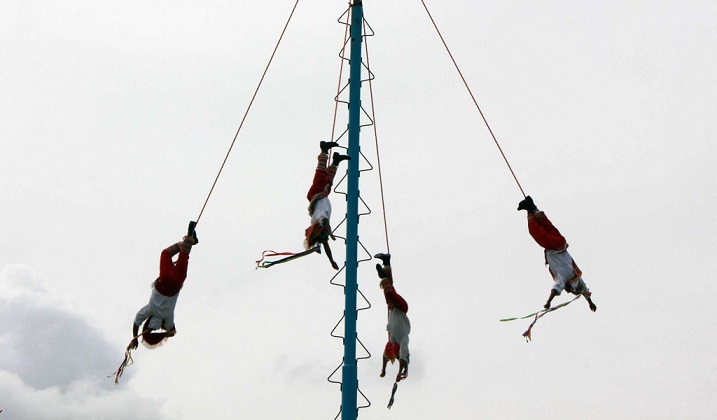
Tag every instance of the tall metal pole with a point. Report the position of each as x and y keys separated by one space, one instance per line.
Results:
x=349 y=387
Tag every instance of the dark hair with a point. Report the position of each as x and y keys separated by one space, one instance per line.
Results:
x=152 y=339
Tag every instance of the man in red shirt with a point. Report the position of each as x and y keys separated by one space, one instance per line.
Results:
x=398 y=326
x=159 y=312
x=319 y=205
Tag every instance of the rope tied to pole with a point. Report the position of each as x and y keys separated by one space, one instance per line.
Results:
x=251 y=102
x=375 y=136
x=475 y=102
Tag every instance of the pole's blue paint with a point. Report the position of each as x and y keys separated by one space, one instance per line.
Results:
x=349 y=386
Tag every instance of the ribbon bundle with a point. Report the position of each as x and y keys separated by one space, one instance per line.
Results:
x=539 y=315
x=289 y=256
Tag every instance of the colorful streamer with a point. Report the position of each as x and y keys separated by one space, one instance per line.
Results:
x=539 y=315
x=290 y=256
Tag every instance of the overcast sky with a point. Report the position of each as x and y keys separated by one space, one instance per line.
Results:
x=115 y=118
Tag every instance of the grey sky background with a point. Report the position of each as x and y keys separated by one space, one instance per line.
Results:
x=115 y=118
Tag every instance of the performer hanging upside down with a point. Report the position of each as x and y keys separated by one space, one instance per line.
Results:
x=398 y=324
x=566 y=273
x=159 y=312
x=319 y=204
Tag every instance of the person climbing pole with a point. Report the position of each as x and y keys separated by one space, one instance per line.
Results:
x=398 y=327
x=159 y=312
x=319 y=205
x=562 y=267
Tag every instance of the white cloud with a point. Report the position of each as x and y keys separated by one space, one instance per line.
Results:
x=55 y=363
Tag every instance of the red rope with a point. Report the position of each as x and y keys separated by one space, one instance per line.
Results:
x=473 y=97
x=375 y=136
x=341 y=70
x=247 y=110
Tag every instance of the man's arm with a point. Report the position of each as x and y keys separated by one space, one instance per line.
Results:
x=553 y=293
x=402 y=370
x=593 y=307
x=327 y=227
x=329 y=255
x=138 y=320
x=135 y=331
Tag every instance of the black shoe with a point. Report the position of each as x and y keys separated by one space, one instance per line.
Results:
x=327 y=145
x=528 y=205
x=380 y=272
x=385 y=258
x=338 y=158
x=191 y=232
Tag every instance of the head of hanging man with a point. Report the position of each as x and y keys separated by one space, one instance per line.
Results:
x=314 y=235
x=154 y=333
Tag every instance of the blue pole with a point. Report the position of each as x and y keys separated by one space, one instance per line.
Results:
x=349 y=381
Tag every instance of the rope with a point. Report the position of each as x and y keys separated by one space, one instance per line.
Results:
x=380 y=179
x=375 y=136
x=247 y=110
x=473 y=98
x=341 y=71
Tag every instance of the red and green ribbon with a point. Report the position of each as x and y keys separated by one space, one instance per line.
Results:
x=539 y=315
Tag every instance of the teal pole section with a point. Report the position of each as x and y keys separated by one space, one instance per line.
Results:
x=349 y=381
